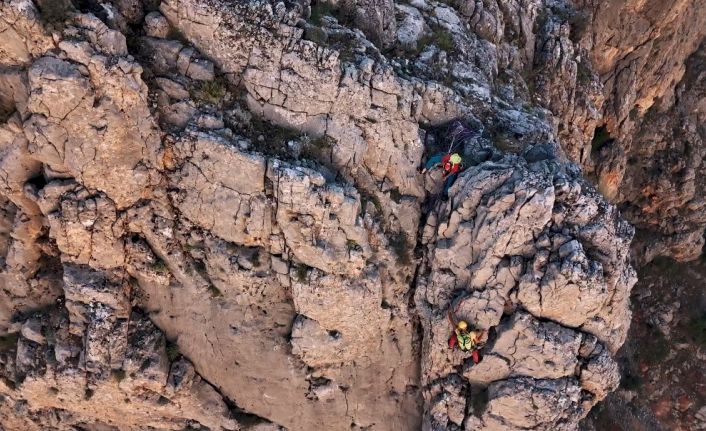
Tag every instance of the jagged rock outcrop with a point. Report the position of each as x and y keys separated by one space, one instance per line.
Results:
x=529 y=252
x=213 y=215
x=25 y=37
x=375 y=18
x=28 y=277
x=77 y=131
x=296 y=252
x=640 y=51
x=86 y=120
x=118 y=363
x=670 y=140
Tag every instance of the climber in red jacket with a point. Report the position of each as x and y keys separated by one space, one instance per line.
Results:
x=451 y=163
x=465 y=339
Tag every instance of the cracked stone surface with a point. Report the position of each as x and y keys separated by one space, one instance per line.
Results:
x=651 y=77
x=519 y=250
x=212 y=215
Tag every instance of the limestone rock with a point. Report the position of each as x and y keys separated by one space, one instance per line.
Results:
x=217 y=231
x=24 y=36
x=525 y=403
x=412 y=27
x=130 y=395
x=528 y=347
x=86 y=229
x=376 y=18
x=62 y=98
x=490 y=252
x=156 y=25
x=32 y=330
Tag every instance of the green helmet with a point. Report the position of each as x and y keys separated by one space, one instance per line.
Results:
x=455 y=159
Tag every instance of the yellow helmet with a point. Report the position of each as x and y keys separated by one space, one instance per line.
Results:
x=462 y=325
x=455 y=158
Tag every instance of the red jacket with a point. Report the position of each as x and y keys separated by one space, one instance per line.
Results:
x=449 y=168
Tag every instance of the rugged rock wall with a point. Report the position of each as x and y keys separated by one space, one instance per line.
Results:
x=529 y=252
x=213 y=216
x=648 y=149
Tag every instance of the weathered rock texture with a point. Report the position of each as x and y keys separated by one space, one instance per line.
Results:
x=212 y=215
x=652 y=114
x=529 y=252
x=664 y=179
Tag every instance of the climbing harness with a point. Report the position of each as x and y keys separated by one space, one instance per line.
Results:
x=466 y=340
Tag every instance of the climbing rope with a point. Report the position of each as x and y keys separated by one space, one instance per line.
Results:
x=459 y=133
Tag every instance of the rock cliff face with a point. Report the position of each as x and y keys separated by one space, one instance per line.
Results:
x=213 y=215
x=529 y=252
x=649 y=142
